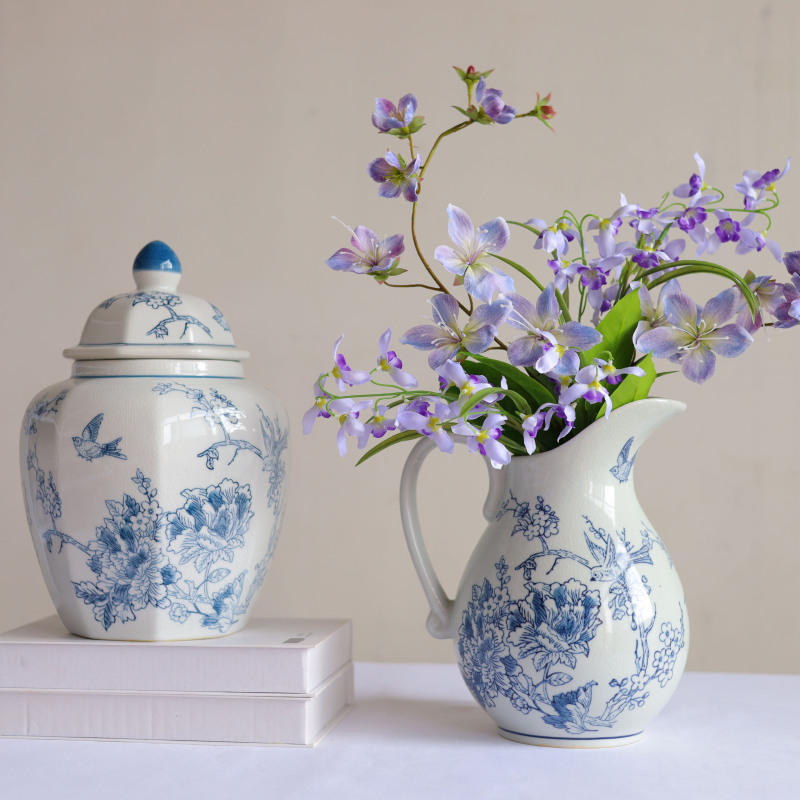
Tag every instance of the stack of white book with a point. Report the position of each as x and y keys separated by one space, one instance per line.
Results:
x=279 y=681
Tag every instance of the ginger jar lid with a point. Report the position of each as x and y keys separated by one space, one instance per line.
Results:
x=154 y=320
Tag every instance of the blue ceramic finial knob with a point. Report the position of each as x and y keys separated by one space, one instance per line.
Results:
x=157 y=256
x=157 y=266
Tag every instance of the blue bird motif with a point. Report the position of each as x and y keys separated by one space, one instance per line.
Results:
x=88 y=448
x=616 y=559
x=622 y=470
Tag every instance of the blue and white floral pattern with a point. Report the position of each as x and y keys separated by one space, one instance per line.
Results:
x=145 y=556
x=131 y=568
x=222 y=414
x=41 y=408
x=524 y=649
x=220 y=319
x=166 y=301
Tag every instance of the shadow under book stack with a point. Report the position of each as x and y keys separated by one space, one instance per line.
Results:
x=277 y=682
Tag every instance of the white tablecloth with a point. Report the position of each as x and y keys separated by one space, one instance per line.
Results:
x=416 y=733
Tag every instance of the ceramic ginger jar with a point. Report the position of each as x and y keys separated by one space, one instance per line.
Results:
x=155 y=476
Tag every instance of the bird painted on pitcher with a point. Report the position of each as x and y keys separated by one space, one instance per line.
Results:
x=622 y=469
x=88 y=448
x=617 y=559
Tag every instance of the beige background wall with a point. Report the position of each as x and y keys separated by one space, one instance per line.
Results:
x=235 y=131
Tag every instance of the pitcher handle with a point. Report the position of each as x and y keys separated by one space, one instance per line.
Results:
x=440 y=623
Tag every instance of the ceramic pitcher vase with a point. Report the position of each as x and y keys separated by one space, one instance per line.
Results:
x=570 y=622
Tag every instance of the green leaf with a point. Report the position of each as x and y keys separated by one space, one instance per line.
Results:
x=398 y=437
x=632 y=387
x=617 y=328
x=518 y=380
x=519 y=401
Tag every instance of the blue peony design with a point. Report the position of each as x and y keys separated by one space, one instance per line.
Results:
x=127 y=561
x=211 y=525
x=572 y=710
x=554 y=623
x=486 y=661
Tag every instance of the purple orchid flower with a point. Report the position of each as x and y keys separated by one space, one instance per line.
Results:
x=594 y=275
x=395 y=176
x=553 y=238
x=562 y=410
x=691 y=223
x=484 y=440
x=378 y=425
x=467 y=385
x=695 y=337
x=546 y=341
x=564 y=273
x=650 y=257
x=588 y=386
x=608 y=228
x=389 y=362
x=491 y=103
x=445 y=338
x=613 y=375
x=791 y=261
x=648 y=221
x=319 y=408
x=769 y=295
x=531 y=426
x=467 y=259
x=388 y=117
x=787 y=313
x=419 y=418
x=342 y=373
x=369 y=253
x=653 y=314
x=728 y=229
x=750 y=240
x=754 y=184
x=697 y=182
x=347 y=411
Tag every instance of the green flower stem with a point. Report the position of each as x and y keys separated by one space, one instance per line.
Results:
x=519 y=401
x=519 y=268
x=692 y=267
x=454 y=129
x=525 y=225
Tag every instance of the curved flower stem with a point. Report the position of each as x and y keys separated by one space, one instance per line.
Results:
x=411 y=286
x=519 y=268
x=439 y=285
x=454 y=129
x=691 y=267
x=525 y=225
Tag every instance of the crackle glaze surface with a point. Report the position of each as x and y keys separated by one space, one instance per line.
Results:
x=570 y=622
x=155 y=517
x=155 y=478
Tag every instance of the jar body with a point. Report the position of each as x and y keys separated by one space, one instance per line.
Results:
x=154 y=501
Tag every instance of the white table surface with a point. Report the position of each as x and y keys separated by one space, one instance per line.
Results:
x=415 y=732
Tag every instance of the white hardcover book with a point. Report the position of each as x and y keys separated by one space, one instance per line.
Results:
x=283 y=656
x=183 y=717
